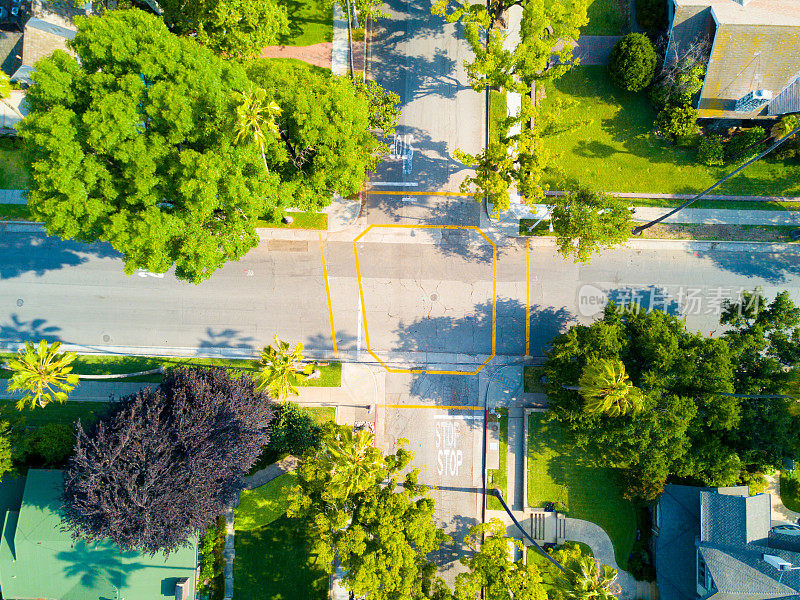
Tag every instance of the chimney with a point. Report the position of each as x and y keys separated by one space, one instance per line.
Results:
x=182 y=589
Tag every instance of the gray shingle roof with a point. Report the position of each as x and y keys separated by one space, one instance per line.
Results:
x=728 y=519
x=788 y=101
x=679 y=525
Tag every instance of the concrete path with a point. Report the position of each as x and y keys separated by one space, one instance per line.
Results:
x=591 y=534
x=271 y=472
x=13 y=196
x=88 y=391
x=779 y=512
x=706 y=216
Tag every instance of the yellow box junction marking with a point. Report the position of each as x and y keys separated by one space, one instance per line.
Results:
x=364 y=307
x=328 y=294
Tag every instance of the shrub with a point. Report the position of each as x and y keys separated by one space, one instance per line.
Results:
x=48 y=446
x=675 y=121
x=294 y=430
x=633 y=62
x=745 y=144
x=711 y=151
x=651 y=15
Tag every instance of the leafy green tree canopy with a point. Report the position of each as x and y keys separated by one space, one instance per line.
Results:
x=235 y=28
x=633 y=62
x=381 y=534
x=133 y=145
x=548 y=29
x=327 y=130
x=586 y=221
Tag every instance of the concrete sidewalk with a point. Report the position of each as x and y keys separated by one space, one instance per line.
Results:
x=708 y=216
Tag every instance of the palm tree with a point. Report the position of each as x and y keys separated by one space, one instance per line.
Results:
x=607 y=389
x=255 y=116
x=587 y=579
x=43 y=373
x=280 y=369
x=352 y=460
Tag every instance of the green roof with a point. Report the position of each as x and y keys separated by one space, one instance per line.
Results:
x=38 y=559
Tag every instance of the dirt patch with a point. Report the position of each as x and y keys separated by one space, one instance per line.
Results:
x=744 y=233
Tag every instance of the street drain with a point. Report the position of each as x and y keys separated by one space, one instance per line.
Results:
x=434 y=297
x=20 y=302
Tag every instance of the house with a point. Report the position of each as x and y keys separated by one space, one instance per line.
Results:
x=38 y=559
x=753 y=65
x=40 y=39
x=721 y=544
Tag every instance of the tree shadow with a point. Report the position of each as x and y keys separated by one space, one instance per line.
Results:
x=18 y=330
x=226 y=338
x=39 y=253
x=447 y=557
x=772 y=267
x=101 y=563
x=430 y=161
x=322 y=343
x=595 y=149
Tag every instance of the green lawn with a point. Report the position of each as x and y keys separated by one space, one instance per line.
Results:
x=790 y=490
x=310 y=22
x=261 y=506
x=301 y=220
x=331 y=374
x=618 y=152
x=499 y=477
x=274 y=562
x=557 y=473
x=607 y=17
x=14 y=173
x=68 y=412
x=497 y=111
x=14 y=212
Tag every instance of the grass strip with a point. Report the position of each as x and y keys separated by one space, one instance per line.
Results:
x=55 y=412
x=89 y=364
x=300 y=220
x=499 y=477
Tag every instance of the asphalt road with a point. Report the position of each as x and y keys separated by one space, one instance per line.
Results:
x=418 y=297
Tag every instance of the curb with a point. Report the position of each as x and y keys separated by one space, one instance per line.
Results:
x=687 y=245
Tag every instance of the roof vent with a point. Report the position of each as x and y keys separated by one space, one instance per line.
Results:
x=753 y=100
x=182 y=589
x=778 y=562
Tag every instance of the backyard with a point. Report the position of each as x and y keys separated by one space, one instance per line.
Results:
x=569 y=478
x=273 y=552
x=618 y=151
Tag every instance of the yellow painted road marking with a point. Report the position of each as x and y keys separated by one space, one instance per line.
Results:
x=437 y=406
x=527 y=296
x=328 y=294
x=402 y=193
x=494 y=299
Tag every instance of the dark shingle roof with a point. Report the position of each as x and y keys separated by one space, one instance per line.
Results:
x=679 y=525
x=10 y=48
x=728 y=519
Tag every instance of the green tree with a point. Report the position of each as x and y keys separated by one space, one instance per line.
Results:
x=327 y=137
x=5 y=85
x=255 y=117
x=783 y=127
x=607 y=388
x=133 y=144
x=235 y=28
x=279 y=369
x=517 y=156
x=380 y=534
x=6 y=449
x=44 y=374
x=677 y=121
x=48 y=446
x=492 y=569
x=548 y=29
x=586 y=221
x=632 y=63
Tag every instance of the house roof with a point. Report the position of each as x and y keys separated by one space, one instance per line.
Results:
x=734 y=519
x=38 y=559
x=746 y=58
x=41 y=39
x=679 y=525
x=10 y=49
x=756 y=45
